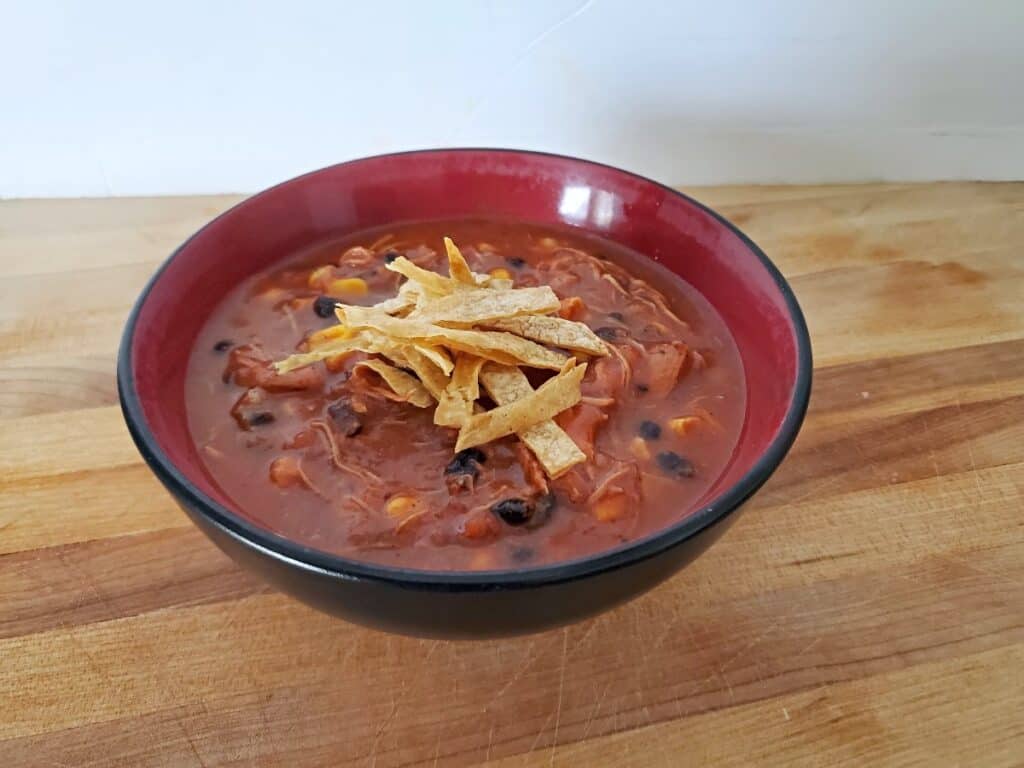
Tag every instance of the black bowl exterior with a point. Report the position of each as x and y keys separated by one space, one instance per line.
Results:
x=471 y=605
x=456 y=613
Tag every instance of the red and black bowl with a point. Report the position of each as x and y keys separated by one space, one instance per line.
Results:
x=689 y=239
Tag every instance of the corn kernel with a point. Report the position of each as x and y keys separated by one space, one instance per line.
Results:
x=285 y=472
x=401 y=505
x=331 y=333
x=501 y=273
x=348 y=286
x=684 y=425
x=320 y=275
x=608 y=509
x=638 y=447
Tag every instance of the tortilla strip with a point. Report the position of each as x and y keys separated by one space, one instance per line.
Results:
x=433 y=379
x=396 y=304
x=430 y=282
x=437 y=356
x=498 y=346
x=400 y=382
x=483 y=305
x=455 y=405
x=366 y=340
x=457 y=266
x=555 y=331
x=554 y=449
x=551 y=398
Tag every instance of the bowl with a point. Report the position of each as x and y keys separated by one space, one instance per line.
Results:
x=673 y=229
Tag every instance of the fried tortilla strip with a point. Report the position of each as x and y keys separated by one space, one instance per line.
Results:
x=429 y=374
x=456 y=403
x=554 y=449
x=429 y=282
x=483 y=306
x=457 y=266
x=437 y=356
x=397 y=304
x=555 y=331
x=551 y=398
x=498 y=346
x=366 y=340
x=400 y=382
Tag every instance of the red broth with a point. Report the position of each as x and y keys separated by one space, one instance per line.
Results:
x=315 y=458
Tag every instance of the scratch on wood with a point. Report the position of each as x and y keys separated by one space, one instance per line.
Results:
x=808 y=647
x=490 y=741
x=530 y=659
x=597 y=708
x=188 y=738
x=437 y=745
x=561 y=691
x=590 y=630
x=382 y=729
x=970 y=456
x=433 y=646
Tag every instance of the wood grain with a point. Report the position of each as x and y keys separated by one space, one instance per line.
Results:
x=867 y=609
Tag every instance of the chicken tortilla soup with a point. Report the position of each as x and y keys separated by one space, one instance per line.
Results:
x=465 y=395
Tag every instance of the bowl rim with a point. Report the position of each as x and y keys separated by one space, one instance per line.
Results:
x=307 y=558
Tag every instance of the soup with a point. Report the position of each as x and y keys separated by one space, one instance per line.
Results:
x=593 y=397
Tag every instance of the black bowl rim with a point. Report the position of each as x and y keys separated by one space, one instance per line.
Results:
x=325 y=563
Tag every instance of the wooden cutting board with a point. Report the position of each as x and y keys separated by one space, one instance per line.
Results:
x=867 y=609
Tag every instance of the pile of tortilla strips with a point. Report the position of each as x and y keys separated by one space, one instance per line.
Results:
x=440 y=338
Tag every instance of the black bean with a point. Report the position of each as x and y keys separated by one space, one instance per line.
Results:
x=391 y=256
x=247 y=418
x=463 y=459
x=515 y=262
x=346 y=421
x=617 y=316
x=514 y=511
x=523 y=554
x=649 y=430
x=463 y=470
x=260 y=418
x=324 y=306
x=223 y=345
x=674 y=464
x=608 y=333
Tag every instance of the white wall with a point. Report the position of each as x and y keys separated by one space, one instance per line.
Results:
x=120 y=98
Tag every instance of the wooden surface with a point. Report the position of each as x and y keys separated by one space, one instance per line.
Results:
x=867 y=609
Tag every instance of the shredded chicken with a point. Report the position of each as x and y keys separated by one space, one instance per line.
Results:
x=664 y=364
x=248 y=366
x=325 y=429
x=358 y=258
x=532 y=469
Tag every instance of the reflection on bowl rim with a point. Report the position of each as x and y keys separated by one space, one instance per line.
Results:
x=289 y=551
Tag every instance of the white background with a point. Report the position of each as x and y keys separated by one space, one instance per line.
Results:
x=119 y=98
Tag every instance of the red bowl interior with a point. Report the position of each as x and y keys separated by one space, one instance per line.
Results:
x=673 y=230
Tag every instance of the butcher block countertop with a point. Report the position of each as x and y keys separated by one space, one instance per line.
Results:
x=866 y=609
